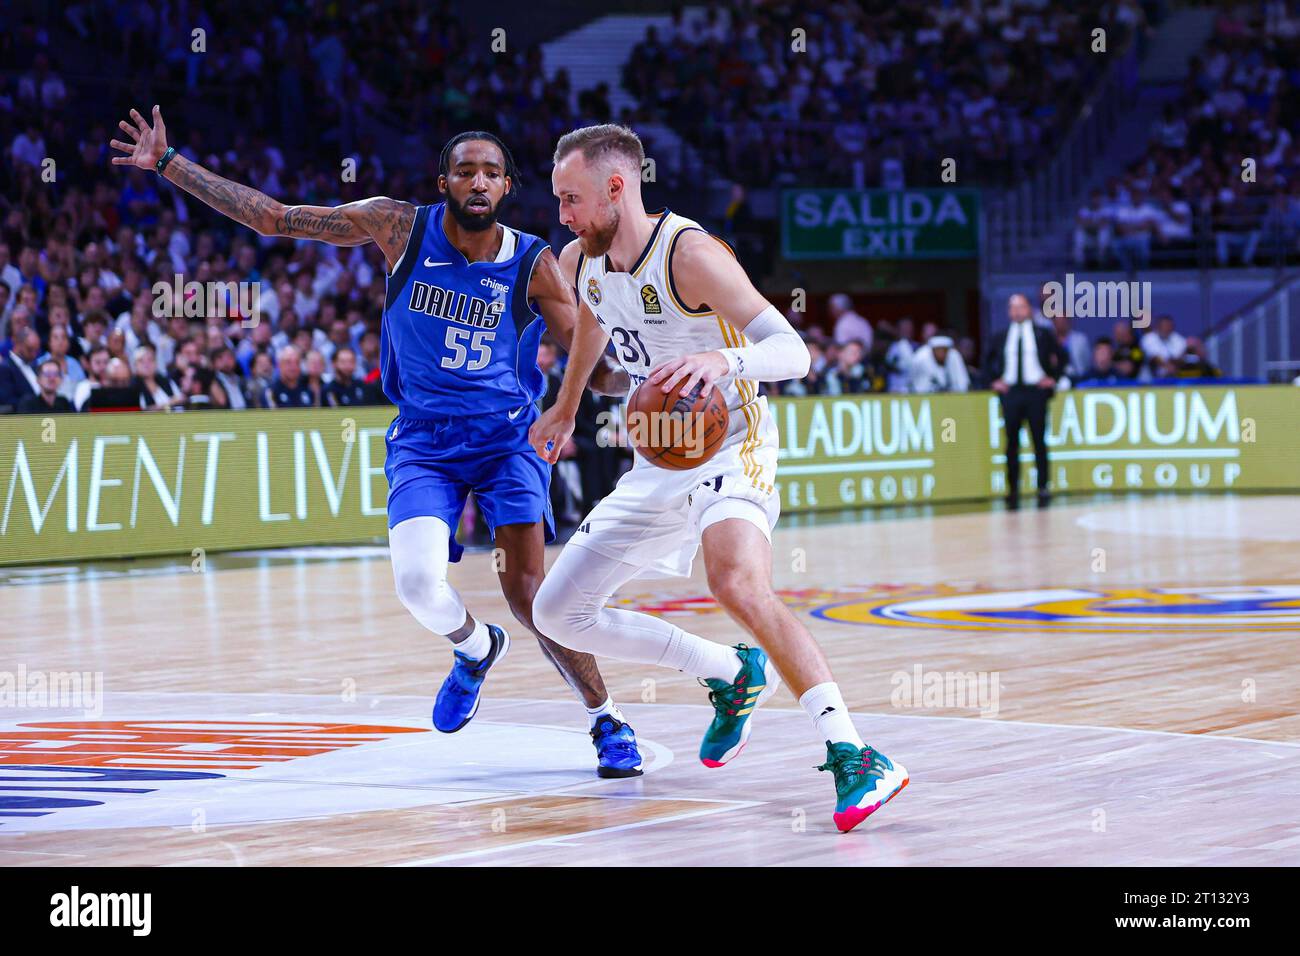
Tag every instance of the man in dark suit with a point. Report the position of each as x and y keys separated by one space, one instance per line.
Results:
x=1024 y=362
x=18 y=371
x=47 y=401
x=345 y=390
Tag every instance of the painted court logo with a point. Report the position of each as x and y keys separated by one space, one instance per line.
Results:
x=976 y=608
x=1089 y=610
x=202 y=762
x=75 y=774
x=797 y=599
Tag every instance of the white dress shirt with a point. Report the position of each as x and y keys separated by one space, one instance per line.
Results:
x=1021 y=332
x=82 y=392
x=1168 y=350
x=929 y=376
x=899 y=357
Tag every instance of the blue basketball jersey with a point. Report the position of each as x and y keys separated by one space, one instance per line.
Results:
x=459 y=337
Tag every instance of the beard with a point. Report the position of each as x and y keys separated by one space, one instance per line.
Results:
x=598 y=240
x=470 y=220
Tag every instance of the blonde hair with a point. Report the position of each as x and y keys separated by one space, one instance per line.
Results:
x=606 y=143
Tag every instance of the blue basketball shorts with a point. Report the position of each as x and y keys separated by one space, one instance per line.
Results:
x=434 y=463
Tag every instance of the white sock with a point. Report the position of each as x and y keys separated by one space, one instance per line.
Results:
x=824 y=704
x=700 y=657
x=609 y=707
x=478 y=645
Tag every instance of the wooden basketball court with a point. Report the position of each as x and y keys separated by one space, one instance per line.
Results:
x=1106 y=682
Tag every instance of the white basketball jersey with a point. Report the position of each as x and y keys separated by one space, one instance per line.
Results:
x=648 y=324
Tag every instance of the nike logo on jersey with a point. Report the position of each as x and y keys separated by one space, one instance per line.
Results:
x=430 y=264
x=515 y=414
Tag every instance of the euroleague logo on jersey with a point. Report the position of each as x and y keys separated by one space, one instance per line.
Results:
x=650 y=299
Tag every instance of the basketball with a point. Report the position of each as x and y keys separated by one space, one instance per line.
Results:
x=675 y=431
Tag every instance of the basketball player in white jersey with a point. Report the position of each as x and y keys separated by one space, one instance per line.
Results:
x=680 y=312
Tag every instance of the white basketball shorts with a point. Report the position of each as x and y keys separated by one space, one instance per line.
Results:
x=654 y=517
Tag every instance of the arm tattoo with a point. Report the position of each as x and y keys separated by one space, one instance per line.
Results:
x=578 y=669
x=304 y=222
x=241 y=203
x=387 y=221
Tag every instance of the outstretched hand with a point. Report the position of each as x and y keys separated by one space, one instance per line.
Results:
x=148 y=144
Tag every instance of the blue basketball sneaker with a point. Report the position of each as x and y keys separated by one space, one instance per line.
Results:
x=616 y=753
x=459 y=696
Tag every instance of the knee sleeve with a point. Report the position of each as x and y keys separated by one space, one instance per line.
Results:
x=562 y=612
x=419 y=550
x=570 y=610
x=571 y=601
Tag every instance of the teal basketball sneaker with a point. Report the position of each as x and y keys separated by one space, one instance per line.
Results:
x=865 y=780
x=734 y=703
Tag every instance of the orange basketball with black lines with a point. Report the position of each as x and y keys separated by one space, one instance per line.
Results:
x=675 y=431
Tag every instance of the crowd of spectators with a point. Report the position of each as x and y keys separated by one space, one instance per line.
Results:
x=78 y=308
x=83 y=243
x=856 y=356
x=320 y=81
x=782 y=93
x=81 y=251
x=1219 y=181
x=83 y=326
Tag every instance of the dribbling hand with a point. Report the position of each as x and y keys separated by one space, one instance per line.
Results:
x=704 y=368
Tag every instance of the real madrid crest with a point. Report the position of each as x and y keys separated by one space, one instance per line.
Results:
x=650 y=299
x=593 y=292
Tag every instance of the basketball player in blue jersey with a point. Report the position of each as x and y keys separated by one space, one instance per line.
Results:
x=459 y=360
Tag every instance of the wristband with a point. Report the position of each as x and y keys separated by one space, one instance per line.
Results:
x=164 y=160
